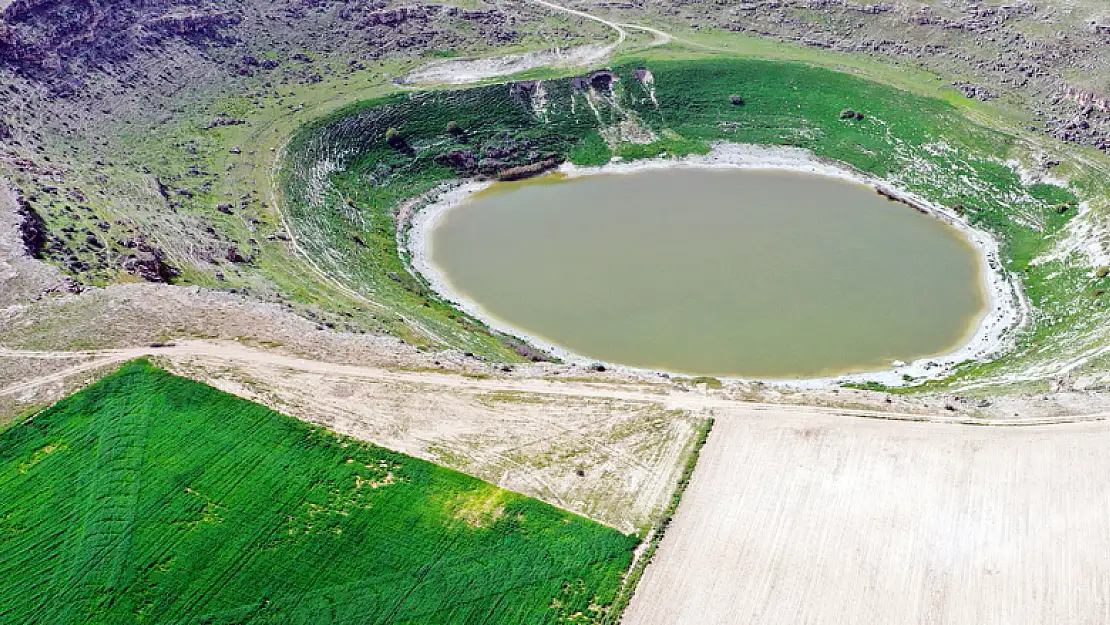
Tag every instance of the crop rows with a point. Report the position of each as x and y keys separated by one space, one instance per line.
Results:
x=149 y=498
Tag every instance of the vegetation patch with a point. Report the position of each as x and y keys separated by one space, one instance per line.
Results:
x=149 y=498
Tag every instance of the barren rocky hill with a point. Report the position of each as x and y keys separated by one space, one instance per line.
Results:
x=81 y=82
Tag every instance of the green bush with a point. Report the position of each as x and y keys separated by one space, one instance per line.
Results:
x=394 y=138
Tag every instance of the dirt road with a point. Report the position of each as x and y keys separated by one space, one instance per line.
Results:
x=670 y=396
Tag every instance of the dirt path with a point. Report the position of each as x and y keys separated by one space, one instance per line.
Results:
x=671 y=397
x=465 y=71
x=612 y=454
x=661 y=37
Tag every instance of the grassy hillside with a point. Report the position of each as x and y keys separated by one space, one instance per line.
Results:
x=344 y=182
x=149 y=498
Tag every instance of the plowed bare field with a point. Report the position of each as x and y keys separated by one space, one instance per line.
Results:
x=816 y=519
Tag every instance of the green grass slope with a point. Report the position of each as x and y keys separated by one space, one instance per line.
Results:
x=149 y=498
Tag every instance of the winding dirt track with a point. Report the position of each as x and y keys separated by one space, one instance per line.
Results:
x=670 y=397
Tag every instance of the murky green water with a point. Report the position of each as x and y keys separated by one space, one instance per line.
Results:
x=746 y=273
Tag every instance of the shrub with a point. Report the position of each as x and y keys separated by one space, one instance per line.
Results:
x=454 y=129
x=394 y=138
x=1102 y=272
x=736 y=100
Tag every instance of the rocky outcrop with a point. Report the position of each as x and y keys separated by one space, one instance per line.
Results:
x=148 y=262
x=396 y=16
x=602 y=79
x=224 y=121
x=1087 y=98
x=32 y=229
x=461 y=160
x=233 y=255
x=527 y=171
x=58 y=39
x=974 y=91
x=192 y=23
x=524 y=90
x=505 y=159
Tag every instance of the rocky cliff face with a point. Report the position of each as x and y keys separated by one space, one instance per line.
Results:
x=32 y=229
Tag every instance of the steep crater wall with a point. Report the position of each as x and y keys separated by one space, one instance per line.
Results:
x=352 y=179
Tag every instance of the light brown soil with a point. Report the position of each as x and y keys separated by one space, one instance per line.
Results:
x=801 y=517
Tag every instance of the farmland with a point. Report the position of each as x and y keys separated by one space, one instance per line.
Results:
x=149 y=498
x=827 y=520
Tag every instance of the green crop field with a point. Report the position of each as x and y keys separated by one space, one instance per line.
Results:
x=149 y=498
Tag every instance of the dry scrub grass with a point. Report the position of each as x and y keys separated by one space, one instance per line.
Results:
x=614 y=460
x=796 y=518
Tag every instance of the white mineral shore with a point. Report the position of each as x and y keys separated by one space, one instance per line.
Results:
x=1007 y=308
x=465 y=71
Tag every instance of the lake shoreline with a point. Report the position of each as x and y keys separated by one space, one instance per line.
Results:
x=988 y=336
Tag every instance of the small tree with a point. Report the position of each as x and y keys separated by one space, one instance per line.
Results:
x=454 y=129
x=393 y=138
